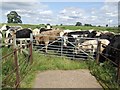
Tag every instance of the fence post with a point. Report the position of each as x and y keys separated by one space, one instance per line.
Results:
x=118 y=72
x=17 y=69
x=98 y=51
x=14 y=41
x=30 y=48
x=61 y=45
x=16 y=63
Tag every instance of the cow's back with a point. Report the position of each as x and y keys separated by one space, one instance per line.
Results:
x=23 y=33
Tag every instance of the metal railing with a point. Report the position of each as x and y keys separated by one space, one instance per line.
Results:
x=15 y=65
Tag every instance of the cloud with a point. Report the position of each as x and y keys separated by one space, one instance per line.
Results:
x=32 y=11
x=19 y=1
x=47 y=12
x=36 y=13
x=60 y=0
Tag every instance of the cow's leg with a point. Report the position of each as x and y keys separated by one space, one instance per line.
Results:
x=37 y=40
x=46 y=46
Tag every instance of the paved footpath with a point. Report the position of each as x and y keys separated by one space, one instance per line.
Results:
x=66 y=79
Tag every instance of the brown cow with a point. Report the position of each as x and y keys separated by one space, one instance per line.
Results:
x=48 y=36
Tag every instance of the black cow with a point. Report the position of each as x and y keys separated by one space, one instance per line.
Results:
x=108 y=36
x=111 y=51
x=92 y=34
x=23 y=33
x=44 y=29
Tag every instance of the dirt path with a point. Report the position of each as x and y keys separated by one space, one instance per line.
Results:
x=66 y=79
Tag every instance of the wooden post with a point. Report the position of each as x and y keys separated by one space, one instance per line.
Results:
x=14 y=42
x=21 y=46
x=30 y=48
x=62 y=45
x=118 y=72
x=98 y=51
x=17 y=69
x=16 y=63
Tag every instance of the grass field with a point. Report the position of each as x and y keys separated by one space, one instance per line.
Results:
x=71 y=27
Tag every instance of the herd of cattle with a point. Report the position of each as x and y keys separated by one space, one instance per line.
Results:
x=80 y=39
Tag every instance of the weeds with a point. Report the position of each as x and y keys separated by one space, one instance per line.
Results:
x=105 y=73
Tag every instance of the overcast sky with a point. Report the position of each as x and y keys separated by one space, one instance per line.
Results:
x=95 y=13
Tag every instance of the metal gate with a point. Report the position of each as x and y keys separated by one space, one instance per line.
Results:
x=72 y=51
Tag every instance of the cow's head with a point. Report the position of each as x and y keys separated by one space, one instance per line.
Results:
x=8 y=37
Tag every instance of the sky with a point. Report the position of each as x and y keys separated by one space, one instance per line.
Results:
x=66 y=13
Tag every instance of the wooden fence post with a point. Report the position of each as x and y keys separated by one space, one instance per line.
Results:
x=62 y=45
x=14 y=42
x=30 y=48
x=98 y=51
x=17 y=69
x=16 y=63
x=118 y=71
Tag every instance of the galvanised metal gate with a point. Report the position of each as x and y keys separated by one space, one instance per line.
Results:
x=72 y=50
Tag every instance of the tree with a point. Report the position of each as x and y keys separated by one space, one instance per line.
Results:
x=78 y=24
x=13 y=17
x=106 y=25
x=87 y=25
x=61 y=24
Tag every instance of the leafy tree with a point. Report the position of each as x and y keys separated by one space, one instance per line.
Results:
x=87 y=25
x=61 y=24
x=13 y=17
x=106 y=25
x=78 y=24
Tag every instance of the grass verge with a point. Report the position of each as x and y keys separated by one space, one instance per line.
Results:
x=105 y=74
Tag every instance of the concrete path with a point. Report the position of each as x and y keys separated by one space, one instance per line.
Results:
x=66 y=79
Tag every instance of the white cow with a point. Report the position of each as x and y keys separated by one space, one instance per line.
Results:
x=36 y=31
x=91 y=45
x=3 y=28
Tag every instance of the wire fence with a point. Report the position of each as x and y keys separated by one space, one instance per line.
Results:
x=16 y=65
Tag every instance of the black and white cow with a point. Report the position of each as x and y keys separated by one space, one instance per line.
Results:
x=23 y=33
x=73 y=36
x=107 y=36
x=44 y=29
x=112 y=51
x=6 y=27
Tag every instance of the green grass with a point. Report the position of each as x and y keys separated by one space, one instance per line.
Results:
x=47 y=62
x=71 y=27
x=105 y=74
x=24 y=25
x=40 y=63
x=113 y=29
